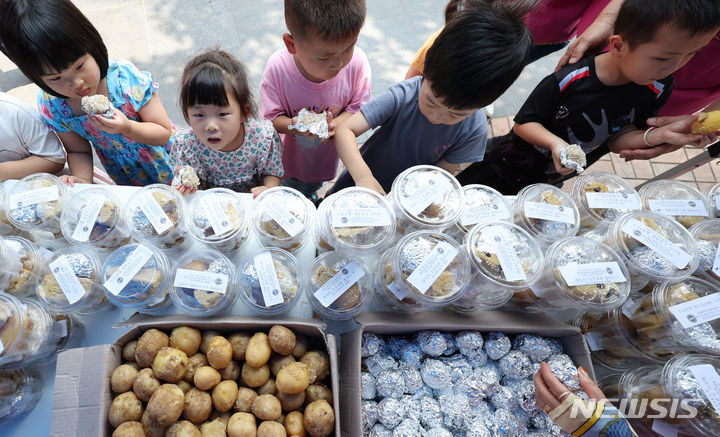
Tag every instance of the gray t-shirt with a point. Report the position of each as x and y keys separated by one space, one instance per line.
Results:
x=406 y=138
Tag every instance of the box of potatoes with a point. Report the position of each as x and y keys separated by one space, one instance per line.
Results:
x=178 y=376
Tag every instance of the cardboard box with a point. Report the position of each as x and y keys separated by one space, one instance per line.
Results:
x=391 y=324
x=82 y=394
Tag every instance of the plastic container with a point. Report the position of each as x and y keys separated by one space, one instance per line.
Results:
x=655 y=248
x=203 y=283
x=20 y=266
x=339 y=286
x=94 y=219
x=275 y=290
x=707 y=237
x=137 y=276
x=546 y=212
x=20 y=391
x=426 y=197
x=35 y=203
x=603 y=197
x=219 y=219
x=676 y=199
x=355 y=220
x=504 y=259
x=156 y=215
x=282 y=217
x=597 y=234
x=483 y=203
x=442 y=266
x=713 y=196
x=6 y=228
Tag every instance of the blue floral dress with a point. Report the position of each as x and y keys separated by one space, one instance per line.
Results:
x=125 y=160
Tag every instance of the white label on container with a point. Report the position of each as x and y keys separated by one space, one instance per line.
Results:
x=427 y=194
x=267 y=276
x=664 y=429
x=658 y=243
x=206 y=281
x=675 y=207
x=709 y=381
x=716 y=263
x=66 y=279
x=592 y=273
x=216 y=216
x=697 y=311
x=128 y=269
x=291 y=224
x=432 y=266
x=33 y=197
x=358 y=217
x=476 y=214
x=154 y=213
x=594 y=340
x=396 y=290
x=546 y=211
x=339 y=284
x=501 y=241
x=613 y=200
x=88 y=217
x=629 y=308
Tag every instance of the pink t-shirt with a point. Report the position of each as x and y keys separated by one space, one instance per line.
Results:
x=284 y=91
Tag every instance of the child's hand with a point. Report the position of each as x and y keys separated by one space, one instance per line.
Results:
x=559 y=168
x=294 y=121
x=118 y=124
x=331 y=128
x=257 y=190
x=72 y=180
x=182 y=189
x=371 y=183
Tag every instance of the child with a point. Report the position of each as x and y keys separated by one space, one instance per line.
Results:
x=226 y=145
x=57 y=48
x=320 y=70
x=26 y=144
x=435 y=119
x=604 y=100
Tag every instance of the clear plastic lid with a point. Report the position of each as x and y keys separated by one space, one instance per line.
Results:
x=479 y=297
x=203 y=283
x=5 y=227
x=339 y=286
x=546 y=212
x=713 y=196
x=676 y=199
x=603 y=197
x=356 y=220
x=12 y=328
x=20 y=390
x=219 y=219
x=707 y=237
x=155 y=215
x=695 y=377
x=36 y=202
x=483 y=203
x=282 y=217
x=428 y=197
x=94 y=219
x=136 y=276
x=21 y=262
x=269 y=281
x=68 y=282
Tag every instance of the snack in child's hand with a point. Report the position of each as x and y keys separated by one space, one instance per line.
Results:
x=573 y=157
x=308 y=121
x=186 y=177
x=707 y=123
x=98 y=105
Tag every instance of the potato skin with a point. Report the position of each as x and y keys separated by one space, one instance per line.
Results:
x=319 y=362
x=216 y=428
x=145 y=384
x=183 y=428
x=148 y=345
x=266 y=407
x=293 y=378
x=319 y=419
x=206 y=337
x=242 y=425
x=197 y=406
x=245 y=399
x=224 y=395
x=239 y=342
x=294 y=424
x=186 y=338
x=301 y=347
x=128 y=351
x=279 y=361
x=258 y=350
x=151 y=427
x=206 y=378
x=122 y=378
x=219 y=352
x=315 y=392
x=255 y=377
x=231 y=372
x=166 y=405
x=170 y=364
x=129 y=429
x=291 y=402
x=268 y=388
x=282 y=340
x=126 y=407
x=271 y=429
x=194 y=362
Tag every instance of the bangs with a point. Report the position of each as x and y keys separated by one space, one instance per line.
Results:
x=206 y=87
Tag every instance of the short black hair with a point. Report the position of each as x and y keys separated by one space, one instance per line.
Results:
x=209 y=77
x=638 y=21
x=327 y=19
x=478 y=56
x=456 y=7
x=47 y=36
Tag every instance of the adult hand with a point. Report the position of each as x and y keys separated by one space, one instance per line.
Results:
x=550 y=392
x=594 y=39
x=72 y=180
x=670 y=134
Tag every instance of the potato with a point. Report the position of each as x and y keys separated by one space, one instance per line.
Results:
x=219 y=352
x=184 y=386
x=151 y=427
x=319 y=419
x=301 y=347
x=148 y=345
x=253 y=377
x=223 y=417
x=258 y=350
x=294 y=424
x=216 y=428
x=126 y=407
x=319 y=362
x=282 y=340
x=271 y=429
x=145 y=384
x=183 y=429
x=186 y=339
x=122 y=378
x=292 y=378
x=316 y=392
x=231 y=372
x=166 y=404
x=170 y=364
x=242 y=425
x=266 y=407
x=245 y=398
x=239 y=342
x=279 y=361
x=128 y=351
x=194 y=362
x=197 y=406
x=291 y=402
x=206 y=378
x=224 y=395
x=268 y=388
x=129 y=429
x=205 y=342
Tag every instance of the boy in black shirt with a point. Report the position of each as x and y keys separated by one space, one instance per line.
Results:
x=604 y=100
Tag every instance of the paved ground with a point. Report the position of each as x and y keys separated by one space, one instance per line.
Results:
x=160 y=36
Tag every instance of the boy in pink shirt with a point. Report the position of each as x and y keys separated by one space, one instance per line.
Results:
x=319 y=69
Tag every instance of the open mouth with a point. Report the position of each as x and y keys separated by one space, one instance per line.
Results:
x=83 y=93
x=214 y=140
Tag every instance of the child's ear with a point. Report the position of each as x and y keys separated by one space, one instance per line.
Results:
x=618 y=45
x=289 y=41
x=246 y=112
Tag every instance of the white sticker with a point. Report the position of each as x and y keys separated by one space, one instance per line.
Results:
x=675 y=207
x=216 y=216
x=501 y=240
x=291 y=224
x=709 y=381
x=594 y=340
x=613 y=200
x=491 y=211
x=658 y=243
x=267 y=276
x=716 y=263
x=629 y=308
x=88 y=217
x=154 y=213
x=128 y=269
x=697 y=311
x=339 y=284
x=427 y=194
x=397 y=290
x=197 y=280
x=592 y=273
x=546 y=211
x=66 y=279
x=432 y=266
x=359 y=217
x=33 y=197
x=664 y=429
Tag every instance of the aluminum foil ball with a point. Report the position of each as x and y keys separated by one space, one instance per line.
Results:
x=407 y=428
x=503 y=423
x=451 y=347
x=394 y=346
x=477 y=358
x=380 y=430
x=474 y=388
x=563 y=368
x=706 y=253
x=368 y=386
x=652 y=260
x=526 y=397
x=379 y=362
x=536 y=348
x=369 y=414
x=468 y=342
x=477 y=428
x=459 y=366
x=515 y=365
x=390 y=384
x=430 y=414
x=502 y=397
x=481 y=410
x=413 y=379
x=455 y=410
x=371 y=344
x=432 y=343
x=412 y=407
x=435 y=374
x=414 y=253
x=497 y=345
x=411 y=354
x=391 y=412
x=438 y=432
